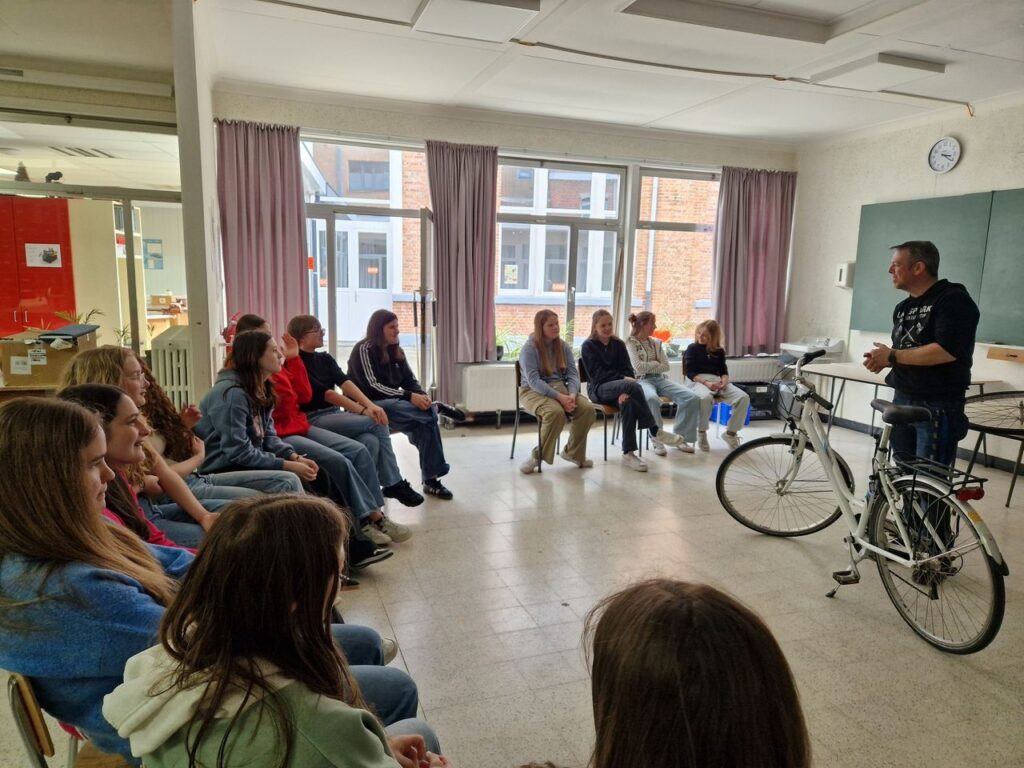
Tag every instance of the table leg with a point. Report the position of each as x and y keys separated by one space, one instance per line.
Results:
x=835 y=403
x=1016 y=470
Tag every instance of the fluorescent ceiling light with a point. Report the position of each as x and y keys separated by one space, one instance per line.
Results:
x=495 y=21
x=91 y=82
x=5 y=172
x=878 y=72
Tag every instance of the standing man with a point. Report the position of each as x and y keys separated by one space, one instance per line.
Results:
x=931 y=354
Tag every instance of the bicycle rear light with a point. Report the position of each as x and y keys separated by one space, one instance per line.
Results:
x=970 y=494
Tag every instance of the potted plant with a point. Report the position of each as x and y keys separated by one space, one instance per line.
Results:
x=502 y=341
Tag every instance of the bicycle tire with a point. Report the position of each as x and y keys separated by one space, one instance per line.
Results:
x=955 y=603
x=747 y=485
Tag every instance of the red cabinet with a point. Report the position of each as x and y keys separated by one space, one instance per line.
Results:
x=36 y=275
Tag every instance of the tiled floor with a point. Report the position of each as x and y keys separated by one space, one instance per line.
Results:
x=487 y=601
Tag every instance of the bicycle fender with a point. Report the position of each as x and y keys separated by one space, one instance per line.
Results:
x=988 y=541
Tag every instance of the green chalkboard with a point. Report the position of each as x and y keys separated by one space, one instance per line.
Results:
x=1002 y=284
x=959 y=228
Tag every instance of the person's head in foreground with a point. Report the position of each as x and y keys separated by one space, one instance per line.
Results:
x=684 y=675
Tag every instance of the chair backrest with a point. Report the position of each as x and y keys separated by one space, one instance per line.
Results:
x=519 y=376
x=28 y=719
x=583 y=371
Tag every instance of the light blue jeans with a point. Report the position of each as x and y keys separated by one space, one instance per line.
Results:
x=376 y=438
x=347 y=463
x=658 y=385
x=176 y=523
x=249 y=482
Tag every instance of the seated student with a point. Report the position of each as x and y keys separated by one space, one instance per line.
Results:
x=704 y=365
x=348 y=462
x=124 y=430
x=79 y=596
x=647 y=355
x=184 y=452
x=378 y=367
x=362 y=419
x=186 y=518
x=611 y=381
x=246 y=672
x=551 y=392
x=685 y=676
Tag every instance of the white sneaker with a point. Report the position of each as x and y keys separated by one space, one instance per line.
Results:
x=731 y=439
x=390 y=649
x=632 y=461
x=531 y=465
x=659 y=447
x=702 y=441
x=391 y=529
x=686 y=447
x=376 y=535
x=581 y=464
x=669 y=438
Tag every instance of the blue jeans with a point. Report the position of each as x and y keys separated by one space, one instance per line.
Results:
x=235 y=485
x=935 y=439
x=375 y=437
x=347 y=463
x=635 y=411
x=176 y=523
x=423 y=431
x=686 y=400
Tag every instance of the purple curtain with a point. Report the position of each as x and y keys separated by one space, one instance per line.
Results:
x=755 y=222
x=463 y=190
x=262 y=220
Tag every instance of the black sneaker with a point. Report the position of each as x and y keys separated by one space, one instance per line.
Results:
x=404 y=493
x=434 y=488
x=453 y=413
x=377 y=556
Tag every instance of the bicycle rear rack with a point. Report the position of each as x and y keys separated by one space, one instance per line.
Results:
x=957 y=479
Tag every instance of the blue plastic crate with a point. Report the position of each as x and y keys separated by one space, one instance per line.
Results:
x=721 y=412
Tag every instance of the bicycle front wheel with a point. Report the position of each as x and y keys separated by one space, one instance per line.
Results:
x=768 y=486
x=954 y=599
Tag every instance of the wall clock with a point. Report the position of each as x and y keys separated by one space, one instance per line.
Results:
x=944 y=154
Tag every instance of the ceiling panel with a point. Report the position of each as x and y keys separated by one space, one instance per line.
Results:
x=972 y=26
x=819 y=10
x=787 y=112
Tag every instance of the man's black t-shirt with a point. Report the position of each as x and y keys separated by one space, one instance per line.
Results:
x=944 y=314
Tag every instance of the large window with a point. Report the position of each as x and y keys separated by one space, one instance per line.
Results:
x=673 y=261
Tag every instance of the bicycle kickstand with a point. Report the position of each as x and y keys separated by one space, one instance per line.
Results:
x=851 y=575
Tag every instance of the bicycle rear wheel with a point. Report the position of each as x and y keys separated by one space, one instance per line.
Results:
x=751 y=485
x=954 y=601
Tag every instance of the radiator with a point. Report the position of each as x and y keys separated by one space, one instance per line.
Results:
x=489 y=387
x=170 y=355
x=745 y=369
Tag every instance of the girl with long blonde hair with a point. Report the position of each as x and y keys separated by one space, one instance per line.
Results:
x=708 y=377
x=78 y=595
x=550 y=390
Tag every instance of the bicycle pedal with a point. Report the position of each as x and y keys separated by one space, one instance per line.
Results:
x=846 y=577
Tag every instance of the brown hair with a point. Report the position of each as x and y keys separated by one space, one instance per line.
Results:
x=686 y=676
x=104 y=400
x=230 y=616
x=102 y=365
x=385 y=352
x=246 y=351
x=300 y=325
x=249 y=322
x=716 y=340
x=638 y=321
x=594 y=320
x=163 y=417
x=547 y=365
x=44 y=512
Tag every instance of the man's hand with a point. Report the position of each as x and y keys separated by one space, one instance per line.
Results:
x=420 y=400
x=878 y=358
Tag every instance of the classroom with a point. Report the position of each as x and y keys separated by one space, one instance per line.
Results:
x=140 y=198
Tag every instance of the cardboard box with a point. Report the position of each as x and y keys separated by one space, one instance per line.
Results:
x=28 y=361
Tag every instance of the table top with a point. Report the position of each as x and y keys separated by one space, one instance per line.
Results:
x=857 y=372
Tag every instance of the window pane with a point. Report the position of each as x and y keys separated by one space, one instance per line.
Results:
x=373 y=260
x=556 y=259
x=341 y=256
x=569 y=191
x=515 y=187
x=514 y=266
x=681 y=201
x=601 y=259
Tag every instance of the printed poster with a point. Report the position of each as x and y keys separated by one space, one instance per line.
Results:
x=42 y=255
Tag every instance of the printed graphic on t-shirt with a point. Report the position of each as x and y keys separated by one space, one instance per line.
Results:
x=910 y=326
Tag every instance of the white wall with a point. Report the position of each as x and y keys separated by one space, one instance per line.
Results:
x=352 y=116
x=836 y=178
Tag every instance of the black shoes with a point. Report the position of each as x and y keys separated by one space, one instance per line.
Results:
x=377 y=556
x=434 y=488
x=453 y=413
x=404 y=493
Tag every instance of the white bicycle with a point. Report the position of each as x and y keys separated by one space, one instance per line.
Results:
x=938 y=561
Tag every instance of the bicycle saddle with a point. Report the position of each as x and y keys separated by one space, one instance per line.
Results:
x=900 y=414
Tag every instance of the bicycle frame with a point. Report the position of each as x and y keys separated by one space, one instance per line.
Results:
x=885 y=475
